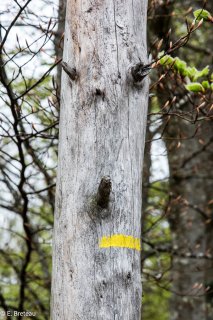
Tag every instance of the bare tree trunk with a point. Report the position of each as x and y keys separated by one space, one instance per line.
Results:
x=209 y=251
x=96 y=245
x=58 y=44
x=59 y=37
x=191 y=183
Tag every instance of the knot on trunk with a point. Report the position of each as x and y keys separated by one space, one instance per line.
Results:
x=103 y=193
x=71 y=72
x=140 y=71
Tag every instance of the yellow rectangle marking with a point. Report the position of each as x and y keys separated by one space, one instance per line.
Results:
x=120 y=240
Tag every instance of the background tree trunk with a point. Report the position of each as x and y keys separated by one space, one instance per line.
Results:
x=190 y=185
x=190 y=188
x=102 y=129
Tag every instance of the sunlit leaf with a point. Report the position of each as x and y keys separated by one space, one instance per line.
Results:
x=195 y=87
x=202 y=14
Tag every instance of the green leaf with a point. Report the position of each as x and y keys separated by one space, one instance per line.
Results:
x=201 y=14
x=181 y=66
x=195 y=87
x=194 y=74
x=206 y=84
x=191 y=73
x=166 y=60
x=204 y=72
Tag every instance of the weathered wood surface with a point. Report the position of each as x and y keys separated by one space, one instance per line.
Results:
x=102 y=128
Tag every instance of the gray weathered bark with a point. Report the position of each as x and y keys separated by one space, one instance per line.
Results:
x=58 y=45
x=102 y=128
x=58 y=41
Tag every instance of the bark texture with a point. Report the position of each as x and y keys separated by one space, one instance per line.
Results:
x=59 y=38
x=102 y=129
x=190 y=217
x=58 y=45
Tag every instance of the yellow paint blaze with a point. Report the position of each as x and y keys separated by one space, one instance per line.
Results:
x=120 y=240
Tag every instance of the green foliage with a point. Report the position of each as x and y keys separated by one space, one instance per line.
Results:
x=201 y=14
x=194 y=74
x=166 y=60
x=155 y=302
x=206 y=84
x=195 y=87
x=39 y=90
x=181 y=67
x=155 y=221
x=156 y=230
x=184 y=70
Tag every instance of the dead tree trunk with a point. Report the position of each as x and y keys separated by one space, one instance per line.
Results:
x=96 y=245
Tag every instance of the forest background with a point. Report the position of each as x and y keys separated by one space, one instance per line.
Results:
x=177 y=261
